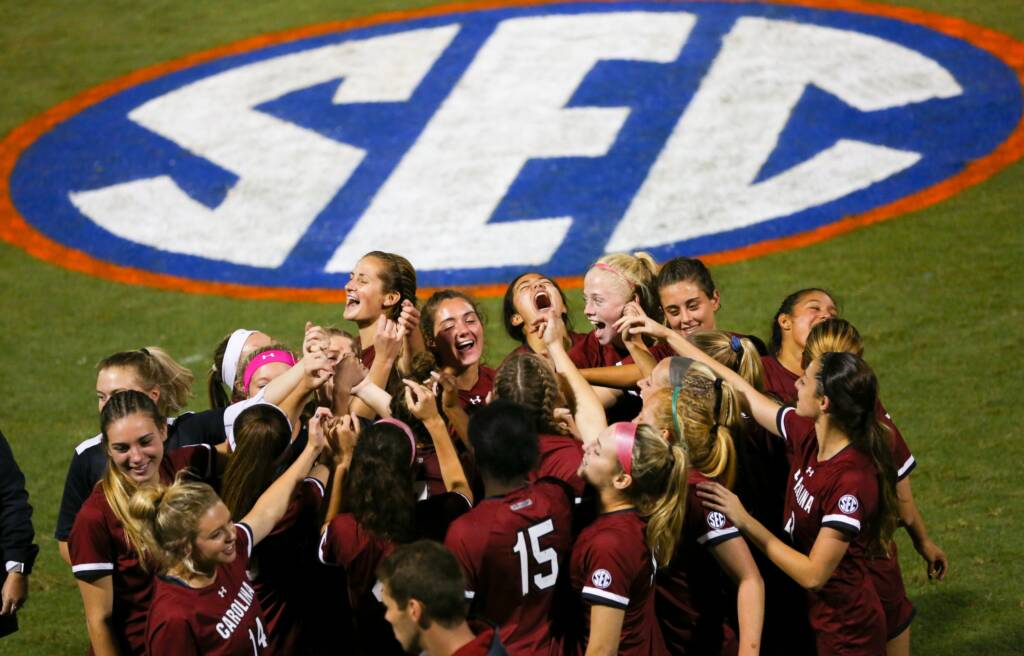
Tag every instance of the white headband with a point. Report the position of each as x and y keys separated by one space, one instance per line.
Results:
x=229 y=364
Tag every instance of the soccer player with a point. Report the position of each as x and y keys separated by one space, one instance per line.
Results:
x=529 y=380
x=204 y=602
x=839 y=335
x=229 y=354
x=422 y=588
x=527 y=298
x=799 y=312
x=382 y=288
x=106 y=547
x=703 y=414
x=514 y=543
x=454 y=333
x=373 y=508
x=688 y=295
x=640 y=480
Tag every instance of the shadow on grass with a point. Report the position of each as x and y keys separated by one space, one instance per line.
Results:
x=958 y=621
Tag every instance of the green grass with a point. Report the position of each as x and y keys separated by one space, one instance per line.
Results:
x=937 y=295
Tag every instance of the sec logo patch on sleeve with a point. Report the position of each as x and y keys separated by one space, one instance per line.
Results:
x=483 y=143
x=716 y=520
x=601 y=578
x=848 y=504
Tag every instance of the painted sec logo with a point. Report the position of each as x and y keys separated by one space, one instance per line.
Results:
x=484 y=142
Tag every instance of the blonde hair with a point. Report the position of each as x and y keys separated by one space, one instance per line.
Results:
x=637 y=272
x=737 y=353
x=833 y=336
x=154 y=367
x=708 y=438
x=167 y=519
x=658 y=490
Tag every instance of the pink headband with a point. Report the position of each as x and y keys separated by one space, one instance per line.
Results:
x=405 y=429
x=608 y=267
x=267 y=357
x=625 y=435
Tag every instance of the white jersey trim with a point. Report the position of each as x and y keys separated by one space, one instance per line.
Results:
x=717 y=535
x=320 y=549
x=316 y=481
x=780 y=421
x=85 y=445
x=907 y=466
x=842 y=519
x=248 y=532
x=470 y=594
x=604 y=594
x=93 y=567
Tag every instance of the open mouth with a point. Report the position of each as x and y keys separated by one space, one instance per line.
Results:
x=351 y=300
x=464 y=345
x=541 y=300
x=598 y=324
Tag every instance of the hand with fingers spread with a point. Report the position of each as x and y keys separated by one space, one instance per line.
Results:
x=318 y=369
x=315 y=340
x=718 y=497
x=387 y=343
x=634 y=322
x=421 y=401
x=445 y=381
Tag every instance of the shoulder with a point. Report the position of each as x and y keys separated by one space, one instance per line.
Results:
x=91 y=443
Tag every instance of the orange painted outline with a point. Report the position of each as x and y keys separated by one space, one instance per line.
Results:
x=15 y=230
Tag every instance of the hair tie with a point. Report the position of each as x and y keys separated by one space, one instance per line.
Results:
x=735 y=343
x=718 y=403
x=233 y=351
x=675 y=420
x=625 y=436
x=677 y=368
x=405 y=429
x=266 y=357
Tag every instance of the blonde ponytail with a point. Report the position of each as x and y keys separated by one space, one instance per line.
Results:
x=165 y=521
x=737 y=353
x=658 y=490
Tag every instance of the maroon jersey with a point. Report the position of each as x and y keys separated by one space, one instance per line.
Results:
x=511 y=549
x=612 y=566
x=560 y=457
x=477 y=395
x=690 y=591
x=369 y=353
x=778 y=380
x=902 y=458
x=282 y=565
x=662 y=350
x=221 y=619
x=486 y=643
x=839 y=493
x=574 y=339
x=589 y=354
x=428 y=469
x=99 y=547
x=346 y=543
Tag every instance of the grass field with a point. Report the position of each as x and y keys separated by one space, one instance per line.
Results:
x=937 y=295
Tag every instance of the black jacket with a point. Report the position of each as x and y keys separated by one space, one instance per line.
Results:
x=16 y=532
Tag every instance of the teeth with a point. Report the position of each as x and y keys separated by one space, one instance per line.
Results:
x=464 y=345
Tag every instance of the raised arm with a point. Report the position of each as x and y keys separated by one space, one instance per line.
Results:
x=345 y=432
x=273 y=503
x=764 y=408
x=590 y=416
x=423 y=405
x=387 y=345
x=458 y=419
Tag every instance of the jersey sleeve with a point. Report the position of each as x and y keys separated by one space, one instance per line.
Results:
x=78 y=485
x=91 y=545
x=582 y=355
x=902 y=458
x=608 y=571
x=170 y=635
x=794 y=429
x=339 y=541
x=206 y=427
x=842 y=505
x=460 y=542
x=715 y=528
x=243 y=540
x=197 y=459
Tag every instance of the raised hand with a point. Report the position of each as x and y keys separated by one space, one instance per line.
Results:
x=445 y=381
x=420 y=400
x=315 y=340
x=387 y=343
x=720 y=498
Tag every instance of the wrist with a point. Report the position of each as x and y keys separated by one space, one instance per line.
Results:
x=433 y=422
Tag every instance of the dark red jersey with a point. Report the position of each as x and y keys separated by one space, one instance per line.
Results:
x=428 y=469
x=778 y=380
x=840 y=493
x=574 y=339
x=222 y=619
x=281 y=567
x=662 y=350
x=690 y=591
x=560 y=457
x=511 y=549
x=589 y=354
x=902 y=458
x=347 y=544
x=99 y=548
x=612 y=566
x=486 y=643
x=476 y=396
x=369 y=353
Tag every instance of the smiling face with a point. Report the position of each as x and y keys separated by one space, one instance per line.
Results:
x=215 y=538
x=604 y=295
x=458 y=334
x=659 y=379
x=365 y=295
x=535 y=295
x=600 y=465
x=136 y=446
x=119 y=379
x=810 y=309
x=688 y=309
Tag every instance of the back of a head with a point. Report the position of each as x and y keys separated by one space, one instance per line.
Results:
x=833 y=336
x=505 y=441
x=429 y=573
x=262 y=434
x=378 y=487
x=154 y=367
x=738 y=353
x=526 y=379
x=166 y=519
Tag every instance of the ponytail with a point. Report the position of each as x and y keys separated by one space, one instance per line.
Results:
x=738 y=353
x=397 y=275
x=154 y=367
x=262 y=435
x=219 y=398
x=165 y=521
x=658 y=490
